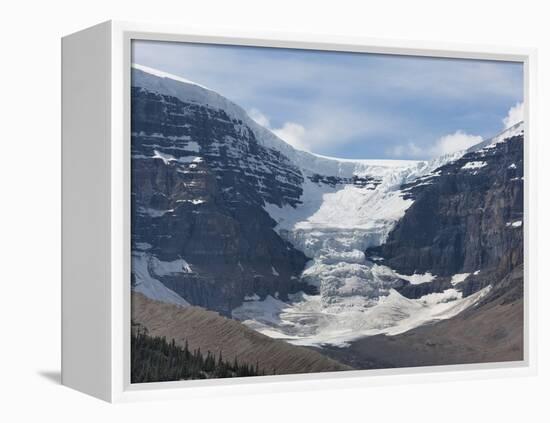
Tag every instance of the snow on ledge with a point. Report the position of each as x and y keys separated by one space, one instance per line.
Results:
x=459 y=277
x=516 y=224
x=474 y=165
x=417 y=278
x=149 y=286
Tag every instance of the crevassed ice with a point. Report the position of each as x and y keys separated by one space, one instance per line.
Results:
x=334 y=226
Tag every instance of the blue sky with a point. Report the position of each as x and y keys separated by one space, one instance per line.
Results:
x=354 y=105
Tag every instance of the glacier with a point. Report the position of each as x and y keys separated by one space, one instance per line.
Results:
x=334 y=226
x=309 y=322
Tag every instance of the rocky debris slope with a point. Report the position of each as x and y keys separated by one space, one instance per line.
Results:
x=209 y=331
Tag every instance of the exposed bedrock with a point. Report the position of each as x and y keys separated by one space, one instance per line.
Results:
x=202 y=200
x=468 y=218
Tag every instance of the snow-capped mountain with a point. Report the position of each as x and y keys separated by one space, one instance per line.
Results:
x=204 y=174
x=228 y=216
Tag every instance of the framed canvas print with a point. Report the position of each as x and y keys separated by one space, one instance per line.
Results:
x=241 y=211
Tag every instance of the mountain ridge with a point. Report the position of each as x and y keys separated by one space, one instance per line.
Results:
x=185 y=90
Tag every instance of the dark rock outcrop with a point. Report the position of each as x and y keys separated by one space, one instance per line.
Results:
x=199 y=183
x=419 y=290
x=467 y=218
x=367 y=182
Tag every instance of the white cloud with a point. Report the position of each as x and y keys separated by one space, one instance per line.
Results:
x=324 y=128
x=515 y=115
x=259 y=117
x=294 y=134
x=447 y=144
x=291 y=132
x=410 y=149
x=293 y=88
x=454 y=142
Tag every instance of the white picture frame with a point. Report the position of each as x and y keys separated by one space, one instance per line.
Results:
x=96 y=213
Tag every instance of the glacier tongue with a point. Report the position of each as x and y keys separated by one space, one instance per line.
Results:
x=334 y=225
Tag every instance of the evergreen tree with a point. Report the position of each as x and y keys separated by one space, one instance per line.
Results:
x=154 y=359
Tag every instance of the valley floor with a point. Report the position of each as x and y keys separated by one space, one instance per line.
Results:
x=491 y=333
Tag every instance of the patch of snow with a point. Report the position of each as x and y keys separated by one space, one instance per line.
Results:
x=516 y=224
x=194 y=201
x=477 y=272
x=512 y=166
x=460 y=277
x=474 y=165
x=143 y=246
x=266 y=311
x=190 y=159
x=193 y=146
x=162 y=136
x=146 y=284
x=417 y=278
x=513 y=131
x=253 y=297
x=166 y=158
x=274 y=271
x=169 y=268
x=154 y=212
x=165 y=75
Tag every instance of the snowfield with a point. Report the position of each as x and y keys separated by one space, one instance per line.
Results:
x=310 y=322
x=143 y=265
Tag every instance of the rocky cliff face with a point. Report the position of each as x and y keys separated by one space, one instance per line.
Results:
x=199 y=181
x=467 y=218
